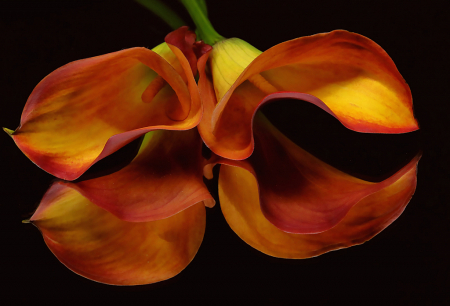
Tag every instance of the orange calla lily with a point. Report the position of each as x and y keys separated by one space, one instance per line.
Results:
x=95 y=244
x=286 y=203
x=145 y=222
x=346 y=74
x=282 y=200
x=240 y=203
x=88 y=109
x=299 y=193
x=139 y=225
x=163 y=179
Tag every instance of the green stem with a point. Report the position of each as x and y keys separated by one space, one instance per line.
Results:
x=164 y=12
x=205 y=30
x=202 y=4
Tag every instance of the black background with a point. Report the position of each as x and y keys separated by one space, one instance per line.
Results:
x=405 y=264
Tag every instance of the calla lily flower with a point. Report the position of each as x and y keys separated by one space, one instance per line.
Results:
x=139 y=225
x=145 y=222
x=88 y=109
x=347 y=75
x=286 y=203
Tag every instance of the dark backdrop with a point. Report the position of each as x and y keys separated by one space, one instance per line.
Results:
x=405 y=264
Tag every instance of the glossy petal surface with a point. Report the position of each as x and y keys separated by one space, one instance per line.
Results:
x=97 y=245
x=163 y=179
x=346 y=74
x=90 y=108
x=298 y=192
x=240 y=203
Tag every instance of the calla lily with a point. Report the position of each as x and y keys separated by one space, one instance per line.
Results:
x=347 y=75
x=97 y=245
x=90 y=108
x=145 y=222
x=140 y=225
x=286 y=203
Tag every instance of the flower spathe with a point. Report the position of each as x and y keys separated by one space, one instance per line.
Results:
x=240 y=203
x=97 y=245
x=163 y=179
x=346 y=74
x=145 y=222
x=90 y=108
x=299 y=193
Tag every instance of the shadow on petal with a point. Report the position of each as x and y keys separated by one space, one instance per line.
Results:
x=299 y=193
x=287 y=203
x=240 y=203
x=162 y=180
x=238 y=192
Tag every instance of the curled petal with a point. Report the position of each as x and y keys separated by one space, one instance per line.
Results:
x=183 y=40
x=238 y=192
x=206 y=89
x=228 y=60
x=97 y=245
x=347 y=74
x=298 y=192
x=90 y=108
x=162 y=180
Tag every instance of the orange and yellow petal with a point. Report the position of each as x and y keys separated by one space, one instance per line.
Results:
x=162 y=180
x=97 y=245
x=349 y=74
x=240 y=203
x=299 y=193
x=89 y=108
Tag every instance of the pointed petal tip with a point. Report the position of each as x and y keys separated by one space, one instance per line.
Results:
x=8 y=131
x=26 y=221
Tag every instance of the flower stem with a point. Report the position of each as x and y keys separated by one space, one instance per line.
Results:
x=205 y=30
x=164 y=12
x=202 y=4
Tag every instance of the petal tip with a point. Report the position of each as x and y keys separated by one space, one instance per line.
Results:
x=8 y=131
x=208 y=171
x=210 y=203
